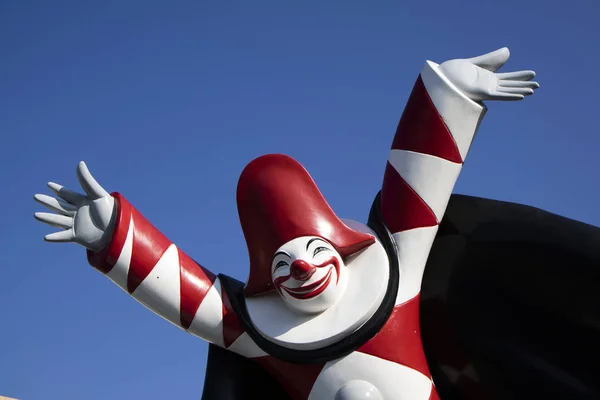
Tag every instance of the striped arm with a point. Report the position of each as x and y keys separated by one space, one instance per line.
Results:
x=432 y=140
x=428 y=151
x=145 y=264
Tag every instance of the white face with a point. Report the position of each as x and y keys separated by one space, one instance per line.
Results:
x=309 y=274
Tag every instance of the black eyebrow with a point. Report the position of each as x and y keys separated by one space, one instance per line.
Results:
x=280 y=253
x=312 y=240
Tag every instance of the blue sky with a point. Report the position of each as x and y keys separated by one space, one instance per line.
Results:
x=168 y=101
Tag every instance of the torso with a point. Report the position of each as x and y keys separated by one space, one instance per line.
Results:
x=391 y=365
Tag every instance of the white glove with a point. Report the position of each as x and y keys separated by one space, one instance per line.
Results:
x=85 y=219
x=477 y=79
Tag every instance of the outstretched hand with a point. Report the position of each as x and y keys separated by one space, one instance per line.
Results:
x=84 y=219
x=477 y=78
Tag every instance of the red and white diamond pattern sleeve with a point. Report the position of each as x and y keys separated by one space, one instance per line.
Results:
x=145 y=264
x=431 y=143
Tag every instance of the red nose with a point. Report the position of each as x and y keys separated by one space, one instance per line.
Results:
x=301 y=270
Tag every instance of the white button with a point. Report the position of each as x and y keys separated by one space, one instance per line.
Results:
x=358 y=390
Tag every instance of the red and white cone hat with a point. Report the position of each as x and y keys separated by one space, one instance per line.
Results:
x=278 y=201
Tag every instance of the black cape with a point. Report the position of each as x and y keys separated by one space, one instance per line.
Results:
x=510 y=309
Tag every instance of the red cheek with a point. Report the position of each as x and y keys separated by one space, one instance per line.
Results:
x=336 y=264
x=279 y=281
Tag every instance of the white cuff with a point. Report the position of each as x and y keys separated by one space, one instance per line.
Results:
x=461 y=114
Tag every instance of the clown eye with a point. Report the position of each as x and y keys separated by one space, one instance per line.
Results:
x=280 y=264
x=319 y=249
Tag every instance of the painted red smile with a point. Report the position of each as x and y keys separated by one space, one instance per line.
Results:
x=314 y=289
x=310 y=291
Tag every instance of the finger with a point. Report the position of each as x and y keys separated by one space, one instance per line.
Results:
x=523 y=91
x=88 y=183
x=524 y=84
x=516 y=75
x=62 y=236
x=496 y=95
x=59 y=221
x=493 y=60
x=57 y=205
x=66 y=194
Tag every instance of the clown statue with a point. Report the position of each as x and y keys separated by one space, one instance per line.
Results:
x=331 y=306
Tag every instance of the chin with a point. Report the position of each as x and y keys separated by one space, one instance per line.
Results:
x=315 y=305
